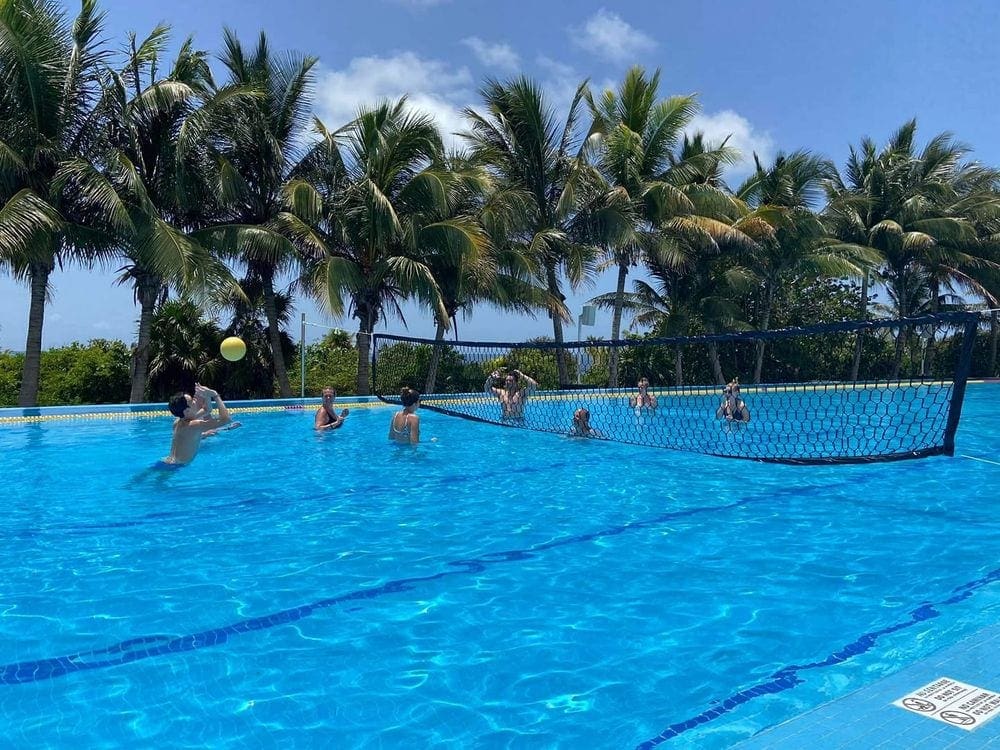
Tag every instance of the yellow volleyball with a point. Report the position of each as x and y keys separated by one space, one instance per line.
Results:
x=233 y=348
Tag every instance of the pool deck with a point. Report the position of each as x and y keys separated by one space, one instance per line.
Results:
x=867 y=719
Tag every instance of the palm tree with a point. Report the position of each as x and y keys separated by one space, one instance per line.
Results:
x=184 y=348
x=490 y=272
x=697 y=296
x=260 y=149
x=374 y=208
x=168 y=195
x=526 y=151
x=651 y=189
x=919 y=211
x=51 y=80
x=794 y=241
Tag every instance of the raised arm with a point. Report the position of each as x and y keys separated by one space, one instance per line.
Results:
x=488 y=385
x=210 y=422
x=532 y=384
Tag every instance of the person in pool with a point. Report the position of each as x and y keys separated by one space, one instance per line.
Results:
x=733 y=408
x=516 y=388
x=581 y=425
x=204 y=411
x=405 y=425
x=643 y=399
x=326 y=417
x=192 y=422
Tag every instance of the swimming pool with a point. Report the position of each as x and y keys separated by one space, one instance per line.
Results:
x=496 y=587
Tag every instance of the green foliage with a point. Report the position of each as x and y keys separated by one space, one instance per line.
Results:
x=403 y=364
x=184 y=350
x=540 y=364
x=95 y=373
x=333 y=361
x=11 y=365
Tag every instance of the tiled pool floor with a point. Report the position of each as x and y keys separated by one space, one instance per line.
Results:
x=867 y=719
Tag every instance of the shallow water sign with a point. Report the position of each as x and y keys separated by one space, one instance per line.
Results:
x=953 y=702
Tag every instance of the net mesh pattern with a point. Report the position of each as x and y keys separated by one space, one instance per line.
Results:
x=836 y=393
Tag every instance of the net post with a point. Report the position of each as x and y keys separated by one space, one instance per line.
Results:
x=372 y=343
x=302 y=356
x=961 y=378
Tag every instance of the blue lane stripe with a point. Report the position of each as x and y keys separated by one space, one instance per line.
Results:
x=788 y=677
x=157 y=645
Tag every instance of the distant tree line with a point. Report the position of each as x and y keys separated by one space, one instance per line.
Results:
x=210 y=194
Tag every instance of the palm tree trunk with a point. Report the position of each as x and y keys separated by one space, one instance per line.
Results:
x=713 y=357
x=616 y=324
x=764 y=322
x=274 y=336
x=994 y=334
x=678 y=367
x=856 y=365
x=432 y=369
x=557 y=330
x=364 y=360
x=901 y=336
x=148 y=290
x=39 y=275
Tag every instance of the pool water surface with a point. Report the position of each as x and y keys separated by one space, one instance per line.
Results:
x=496 y=587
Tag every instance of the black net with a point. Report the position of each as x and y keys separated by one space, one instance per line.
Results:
x=840 y=392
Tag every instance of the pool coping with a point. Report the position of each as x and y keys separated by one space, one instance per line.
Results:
x=867 y=718
x=28 y=415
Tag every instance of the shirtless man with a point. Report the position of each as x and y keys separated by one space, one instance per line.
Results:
x=644 y=399
x=513 y=395
x=326 y=417
x=192 y=422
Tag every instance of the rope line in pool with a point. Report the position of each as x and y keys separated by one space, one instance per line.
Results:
x=788 y=677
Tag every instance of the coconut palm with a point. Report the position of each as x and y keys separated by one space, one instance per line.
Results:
x=257 y=153
x=168 y=195
x=653 y=188
x=51 y=80
x=919 y=210
x=489 y=272
x=524 y=148
x=794 y=241
x=375 y=207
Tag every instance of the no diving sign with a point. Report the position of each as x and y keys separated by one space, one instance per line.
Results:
x=953 y=702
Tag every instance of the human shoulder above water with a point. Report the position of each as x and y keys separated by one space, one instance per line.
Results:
x=404 y=428
x=733 y=408
x=643 y=399
x=194 y=419
x=326 y=416
x=513 y=394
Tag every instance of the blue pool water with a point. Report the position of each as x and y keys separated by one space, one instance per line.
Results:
x=498 y=587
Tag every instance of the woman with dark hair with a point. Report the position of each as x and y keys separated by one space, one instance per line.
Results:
x=405 y=425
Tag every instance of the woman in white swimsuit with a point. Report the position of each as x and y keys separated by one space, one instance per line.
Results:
x=405 y=425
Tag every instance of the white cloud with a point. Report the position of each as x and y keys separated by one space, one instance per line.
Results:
x=608 y=35
x=432 y=86
x=494 y=55
x=742 y=136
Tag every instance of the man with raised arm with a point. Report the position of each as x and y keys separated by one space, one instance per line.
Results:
x=516 y=388
x=192 y=422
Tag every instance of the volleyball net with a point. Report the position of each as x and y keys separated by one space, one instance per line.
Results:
x=843 y=392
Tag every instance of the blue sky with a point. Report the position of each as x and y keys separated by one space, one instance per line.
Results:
x=775 y=74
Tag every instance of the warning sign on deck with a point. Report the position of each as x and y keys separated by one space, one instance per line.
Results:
x=953 y=702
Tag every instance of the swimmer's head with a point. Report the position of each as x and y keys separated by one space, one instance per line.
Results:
x=179 y=403
x=409 y=396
